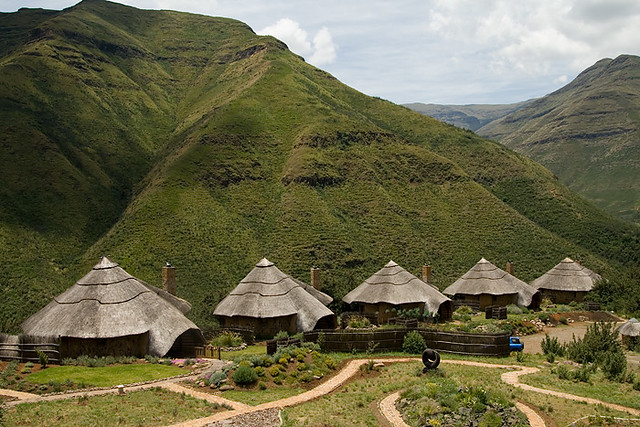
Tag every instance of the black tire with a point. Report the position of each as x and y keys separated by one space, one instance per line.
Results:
x=430 y=358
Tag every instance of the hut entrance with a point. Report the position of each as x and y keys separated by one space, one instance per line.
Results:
x=185 y=345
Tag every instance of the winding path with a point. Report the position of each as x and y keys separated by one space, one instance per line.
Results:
x=386 y=405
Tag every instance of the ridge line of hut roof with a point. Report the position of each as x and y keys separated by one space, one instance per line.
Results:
x=266 y=295
x=103 y=303
x=393 y=283
x=107 y=283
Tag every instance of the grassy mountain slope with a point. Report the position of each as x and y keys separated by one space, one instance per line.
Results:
x=587 y=133
x=186 y=138
x=471 y=116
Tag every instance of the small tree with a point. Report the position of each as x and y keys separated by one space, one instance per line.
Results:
x=43 y=357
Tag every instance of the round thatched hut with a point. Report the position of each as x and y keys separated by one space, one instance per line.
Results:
x=110 y=312
x=566 y=282
x=487 y=285
x=394 y=287
x=269 y=301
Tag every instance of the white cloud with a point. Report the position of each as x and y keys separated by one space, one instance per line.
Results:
x=322 y=51
x=324 y=48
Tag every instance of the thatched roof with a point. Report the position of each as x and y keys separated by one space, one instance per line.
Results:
x=266 y=292
x=567 y=276
x=630 y=328
x=486 y=278
x=108 y=302
x=395 y=285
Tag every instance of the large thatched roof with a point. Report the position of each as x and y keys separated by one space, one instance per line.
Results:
x=567 y=276
x=630 y=328
x=266 y=292
x=395 y=285
x=107 y=303
x=486 y=278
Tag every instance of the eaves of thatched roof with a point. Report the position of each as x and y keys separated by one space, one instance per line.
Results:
x=630 y=328
x=568 y=275
x=486 y=278
x=108 y=302
x=395 y=285
x=266 y=292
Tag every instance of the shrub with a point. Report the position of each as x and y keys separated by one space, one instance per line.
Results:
x=42 y=357
x=274 y=370
x=582 y=374
x=262 y=386
x=227 y=339
x=281 y=335
x=28 y=365
x=636 y=385
x=563 y=320
x=357 y=322
x=320 y=341
x=563 y=372
x=514 y=309
x=245 y=375
x=260 y=370
x=551 y=357
x=614 y=365
x=544 y=317
x=551 y=345
x=217 y=378
x=413 y=343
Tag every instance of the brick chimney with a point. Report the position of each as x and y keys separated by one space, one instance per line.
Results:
x=169 y=279
x=510 y=268
x=426 y=274
x=315 y=277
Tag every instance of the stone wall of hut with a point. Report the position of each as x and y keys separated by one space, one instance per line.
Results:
x=131 y=345
x=267 y=327
x=562 y=297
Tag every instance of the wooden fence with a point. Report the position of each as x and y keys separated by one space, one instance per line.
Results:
x=381 y=340
x=23 y=348
x=208 y=352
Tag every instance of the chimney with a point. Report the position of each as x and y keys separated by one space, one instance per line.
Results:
x=426 y=274
x=169 y=279
x=510 y=268
x=315 y=277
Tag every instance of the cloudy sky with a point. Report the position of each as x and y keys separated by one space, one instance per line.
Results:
x=439 y=51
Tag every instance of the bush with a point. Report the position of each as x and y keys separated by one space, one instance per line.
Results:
x=614 y=365
x=513 y=309
x=227 y=339
x=636 y=385
x=245 y=375
x=551 y=345
x=544 y=317
x=217 y=378
x=413 y=343
x=563 y=372
x=358 y=322
x=42 y=357
x=281 y=335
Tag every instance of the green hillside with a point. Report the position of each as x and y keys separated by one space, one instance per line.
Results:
x=155 y=136
x=587 y=133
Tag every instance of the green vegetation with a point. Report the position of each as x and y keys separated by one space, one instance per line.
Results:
x=586 y=133
x=106 y=376
x=413 y=343
x=442 y=401
x=154 y=135
x=154 y=407
x=227 y=339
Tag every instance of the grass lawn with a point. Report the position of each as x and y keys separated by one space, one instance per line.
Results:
x=151 y=407
x=250 y=350
x=253 y=397
x=600 y=388
x=105 y=376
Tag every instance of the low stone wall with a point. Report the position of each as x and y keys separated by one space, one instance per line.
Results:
x=381 y=340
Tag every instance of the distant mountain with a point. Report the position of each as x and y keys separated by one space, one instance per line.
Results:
x=155 y=136
x=472 y=116
x=587 y=133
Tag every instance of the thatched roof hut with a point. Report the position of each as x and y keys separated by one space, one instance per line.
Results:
x=568 y=281
x=630 y=328
x=268 y=300
x=485 y=284
x=108 y=311
x=394 y=287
